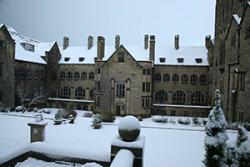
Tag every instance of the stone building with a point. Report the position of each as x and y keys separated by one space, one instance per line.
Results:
x=7 y=69
x=229 y=57
x=138 y=80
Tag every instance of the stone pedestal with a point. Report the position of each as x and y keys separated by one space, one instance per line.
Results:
x=136 y=147
x=37 y=131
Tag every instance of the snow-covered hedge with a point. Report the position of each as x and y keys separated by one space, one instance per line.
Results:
x=124 y=158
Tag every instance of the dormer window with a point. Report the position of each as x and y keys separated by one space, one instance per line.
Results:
x=81 y=59
x=162 y=60
x=28 y=47
x=66 y=59
x=198 y=60
x=180 y=60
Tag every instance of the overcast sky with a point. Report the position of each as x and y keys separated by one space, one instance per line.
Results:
x=50 y=20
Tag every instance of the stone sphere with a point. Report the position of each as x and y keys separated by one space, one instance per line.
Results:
x=129 y=128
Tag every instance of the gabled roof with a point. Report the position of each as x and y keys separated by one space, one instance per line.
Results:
x=4 y=28
x=30 y=56
x=121 y=46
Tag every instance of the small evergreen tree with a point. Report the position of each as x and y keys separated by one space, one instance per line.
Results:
x=216 y=136
x=243 y=147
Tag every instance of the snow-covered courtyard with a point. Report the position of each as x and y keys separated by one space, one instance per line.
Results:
x=166 y=144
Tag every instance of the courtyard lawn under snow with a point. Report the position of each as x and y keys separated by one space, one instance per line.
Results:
x=165 y=144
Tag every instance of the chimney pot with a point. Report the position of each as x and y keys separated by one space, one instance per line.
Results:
x=176 y=42
x=100 y=47
x=146 y=41
x=90 y=41
x=152 y=48
x=117 y=41
x=65 y=42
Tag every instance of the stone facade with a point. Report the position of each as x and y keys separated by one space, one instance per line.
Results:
x=229 y=58
x=7 y=69
x=181 y=85
x=120 y=79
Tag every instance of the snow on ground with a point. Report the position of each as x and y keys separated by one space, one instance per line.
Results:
x=165 y=144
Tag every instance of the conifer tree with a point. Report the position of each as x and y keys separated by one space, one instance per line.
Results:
x=216 y=135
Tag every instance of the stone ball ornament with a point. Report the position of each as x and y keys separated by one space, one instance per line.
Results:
x=129 y=128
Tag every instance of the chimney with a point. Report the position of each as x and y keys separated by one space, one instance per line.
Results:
x=117 y=41
x=152 y=48
x=176 y=42
x=90 y=42
x=100 y=47
x=146 y=41
x=207 y=41
x=65 y=42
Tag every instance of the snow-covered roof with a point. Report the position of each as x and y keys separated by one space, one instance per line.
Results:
x=192 y=55
x=171 y=55
x=83 y=55
x=237 y=18
x=1 y=25
x=25 y=55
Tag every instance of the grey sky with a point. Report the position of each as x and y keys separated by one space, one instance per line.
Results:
x=50 y=20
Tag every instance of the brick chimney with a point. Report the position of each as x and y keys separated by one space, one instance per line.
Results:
x=152 y=48
x=207 y=41
x=146 y=41
x=176 y=42
x=100 y=47
x=90 y=41
x=65 y=42
x=117 y=41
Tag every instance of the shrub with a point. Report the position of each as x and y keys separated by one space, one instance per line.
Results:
x=184 y=121
x=196 y=121
x=108 y=116
x=160 y=119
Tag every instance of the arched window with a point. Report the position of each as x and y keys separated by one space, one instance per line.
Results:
x=197 y=98
x=69 y=76
x=184 y=79
x=203 y=79
x=157 y=77
x=91 y=76
x=161 y=95
x=179 y=97
x=175 y=78
x=65 y=92
x=166 y=77
x=62 y=75
x=76 y=75
x=84 y=76
x=193 y=79
x=79 y=92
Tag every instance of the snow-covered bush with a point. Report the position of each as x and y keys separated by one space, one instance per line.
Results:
x=216 y=135
x=184 y=121
x=20 y=109
x=160 y=119
x=243 y=147
x=172 y=121
x=97 y=121
x=196 y=121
